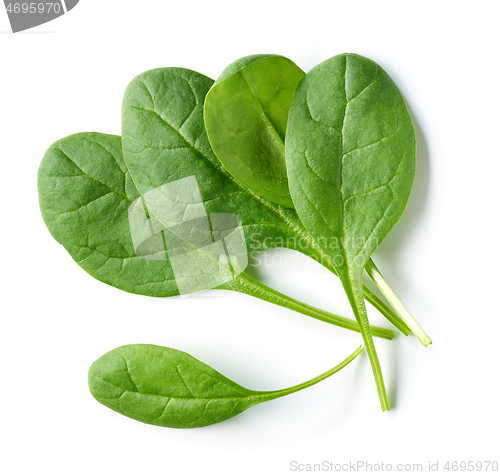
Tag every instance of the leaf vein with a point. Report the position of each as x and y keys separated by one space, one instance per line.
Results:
x=93 y=178
x=86 y=204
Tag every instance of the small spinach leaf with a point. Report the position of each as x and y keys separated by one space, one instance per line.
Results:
x=246 y=113
x=169 y=388
x=350 y=152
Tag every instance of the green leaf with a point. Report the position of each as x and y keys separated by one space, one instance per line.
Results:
x=350 y=152
x=169 y=388
x=246 y=115
x=85 y=192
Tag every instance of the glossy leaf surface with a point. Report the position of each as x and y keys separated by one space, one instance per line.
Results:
x=246 y=113
x=167 y=387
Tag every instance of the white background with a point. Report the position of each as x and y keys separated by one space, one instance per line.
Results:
x=69 y=75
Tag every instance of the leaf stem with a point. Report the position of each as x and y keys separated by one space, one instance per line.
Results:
x=370 y=297
x=247 y=284
x=353 y=287
x=396 y=304
x=313 y=381
x=386 y=311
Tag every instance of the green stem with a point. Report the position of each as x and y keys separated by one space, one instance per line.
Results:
x=354 y=290
x=371 y=297
x=248 y=285
x=386 y=311
x=396 y=304
x=313 y=381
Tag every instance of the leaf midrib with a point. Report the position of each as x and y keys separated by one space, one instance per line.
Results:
x=279 y=140
x=192 y=398
x=344 y=199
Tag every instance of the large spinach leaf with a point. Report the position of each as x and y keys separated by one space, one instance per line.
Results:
x=350 y=153
x=86 y=194
x=167 y=387
x=164 y=139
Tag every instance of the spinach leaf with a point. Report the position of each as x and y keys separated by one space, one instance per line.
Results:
x=169 y=388
x=164 y=139
x=350 y=154
x=86 y=194
x=246 y=113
